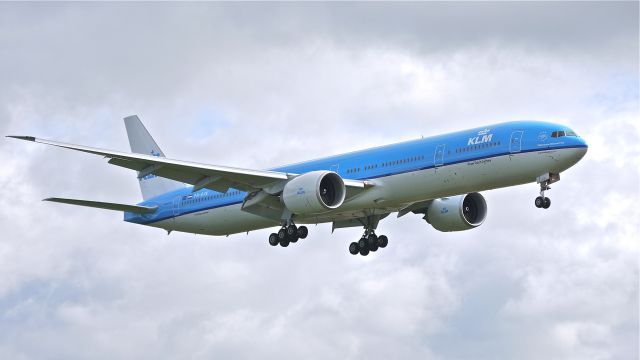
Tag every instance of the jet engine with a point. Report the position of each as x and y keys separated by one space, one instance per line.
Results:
x=457 y=213
x=314 y=192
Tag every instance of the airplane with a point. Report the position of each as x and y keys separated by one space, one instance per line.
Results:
x=439 y=177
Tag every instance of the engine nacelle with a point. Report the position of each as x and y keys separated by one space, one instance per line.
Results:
x=314 y=192
x=457 y=213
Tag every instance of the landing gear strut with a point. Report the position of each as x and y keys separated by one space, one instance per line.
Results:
x=288 y=234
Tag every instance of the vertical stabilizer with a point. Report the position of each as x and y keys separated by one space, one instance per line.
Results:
x=142 y=143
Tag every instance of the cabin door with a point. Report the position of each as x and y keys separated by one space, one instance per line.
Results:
x=515 y=145
x=438 y=157
x=176 y=205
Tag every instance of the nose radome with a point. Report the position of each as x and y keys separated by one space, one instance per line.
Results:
x=582 y=150
x=584 y=145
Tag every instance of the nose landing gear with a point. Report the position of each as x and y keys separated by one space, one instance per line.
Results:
x=544 y=181
x=542 y=201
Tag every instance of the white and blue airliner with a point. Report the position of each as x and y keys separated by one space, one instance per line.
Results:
x=439 y=177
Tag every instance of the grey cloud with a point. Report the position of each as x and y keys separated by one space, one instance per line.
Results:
x=281 y=83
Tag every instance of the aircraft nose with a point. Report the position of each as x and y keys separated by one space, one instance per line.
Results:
x=582 y=147
x=583 y=143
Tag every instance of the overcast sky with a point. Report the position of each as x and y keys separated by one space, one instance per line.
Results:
x=258 y=85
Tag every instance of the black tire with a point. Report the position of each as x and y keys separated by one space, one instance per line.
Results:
x=273 y=239
x=294 y=238
x=373 y=247
x=354 y=249
x=303 y=232
x=364 y=252
x=372 y=239
x=284 y=243
x=539 y=202
x=292 y=230
x=383 y=241
x=362 y=243
x=547 y=203
x=282 y=234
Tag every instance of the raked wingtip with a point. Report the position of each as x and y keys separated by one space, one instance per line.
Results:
x=28 y=138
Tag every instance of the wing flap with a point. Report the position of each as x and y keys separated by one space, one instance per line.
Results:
x=106 y=205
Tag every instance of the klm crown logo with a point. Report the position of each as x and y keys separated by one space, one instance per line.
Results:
x=484 y=136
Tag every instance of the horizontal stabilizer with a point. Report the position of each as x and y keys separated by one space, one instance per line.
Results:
x=105 y=205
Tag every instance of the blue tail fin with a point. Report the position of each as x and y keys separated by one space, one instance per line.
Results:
x=142 y=143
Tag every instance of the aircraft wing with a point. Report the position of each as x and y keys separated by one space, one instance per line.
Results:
x=106 y=205
x=219 y=178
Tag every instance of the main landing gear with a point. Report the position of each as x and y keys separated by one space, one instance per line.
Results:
x=288 y=234
x=369 y=242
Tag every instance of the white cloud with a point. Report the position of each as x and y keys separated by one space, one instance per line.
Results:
x=309 y=81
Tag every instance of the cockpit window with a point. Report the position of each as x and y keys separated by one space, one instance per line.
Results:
x=557 y=134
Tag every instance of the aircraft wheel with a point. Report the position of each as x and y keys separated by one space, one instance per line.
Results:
x=364 y=252
x=383 y=241
x=372 y=239
x=547 y=203
x=303 y=232
x=539 y=202
x=354 y=248
x=293 y=238
x=273 y=239
x=282 y=234
x=362 y=243
x=284 y=242
x=292 y=230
